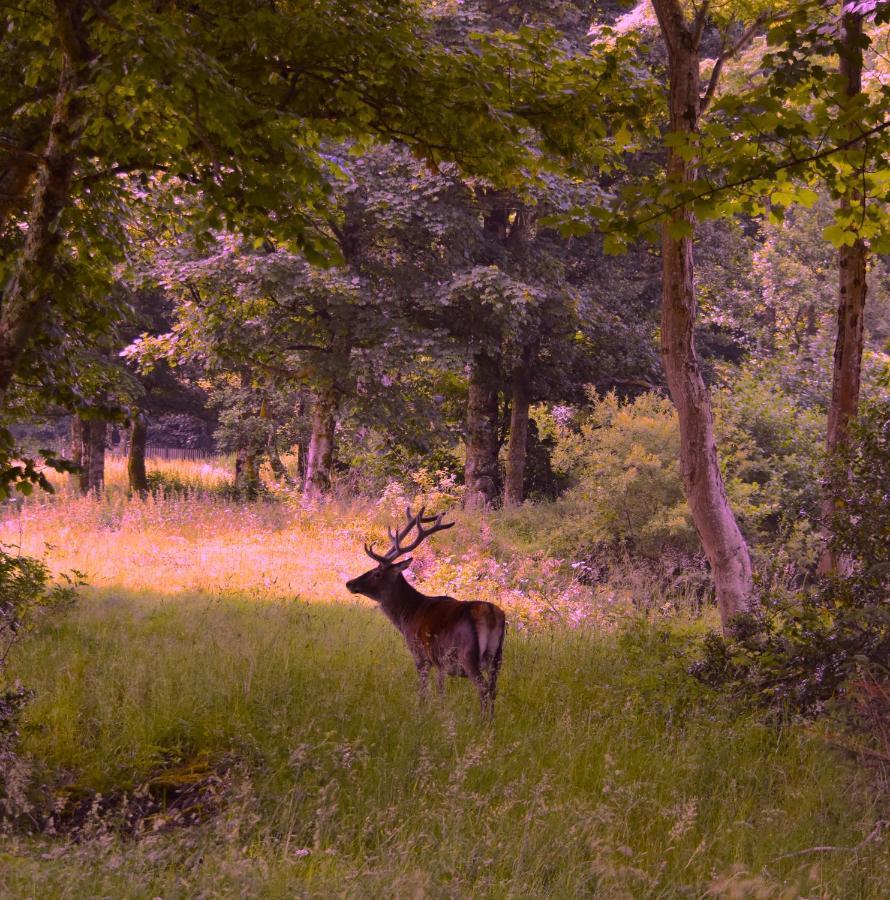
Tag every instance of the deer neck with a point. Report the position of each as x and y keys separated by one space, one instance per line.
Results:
x=401 y=601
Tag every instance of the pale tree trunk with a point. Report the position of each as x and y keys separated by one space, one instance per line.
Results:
x=136 y=474
x=481 y=467
x=28 y=292
x=514 y=483
x=852 y=287
x=715 y=522
x=75 y=451
x=320 y=456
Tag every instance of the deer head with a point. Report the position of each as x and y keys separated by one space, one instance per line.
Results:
x=379 y=582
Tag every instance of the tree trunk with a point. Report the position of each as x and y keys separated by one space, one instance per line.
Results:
x=136 y=474
x=247 y=475
x=75 y=450
x=852 y=287
x=514 y=484
x=715 y=522
x=320 y=456
x=92 y=462
x=481 y=468
x=29 y=290
x=279 y=470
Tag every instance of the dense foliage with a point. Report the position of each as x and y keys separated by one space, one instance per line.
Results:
x=813 y=640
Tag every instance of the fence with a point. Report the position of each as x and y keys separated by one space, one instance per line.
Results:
x=154 y=451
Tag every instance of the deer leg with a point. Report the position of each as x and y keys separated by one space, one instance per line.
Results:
x=470 y=664
x=486 y=702
x=440 y=682
x=493 y=672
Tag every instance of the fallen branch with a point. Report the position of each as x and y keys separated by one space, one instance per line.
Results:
x=871 y=836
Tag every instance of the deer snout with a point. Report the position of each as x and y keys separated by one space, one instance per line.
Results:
x=350 y=586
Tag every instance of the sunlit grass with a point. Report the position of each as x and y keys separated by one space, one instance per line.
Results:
x=209 y=475
x=203 y=541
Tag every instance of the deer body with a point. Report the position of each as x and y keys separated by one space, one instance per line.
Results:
x=459 y=638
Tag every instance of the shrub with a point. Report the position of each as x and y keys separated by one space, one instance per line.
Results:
x=26 y=595
x=771 y=448
x=809 y=645
x=622 y=462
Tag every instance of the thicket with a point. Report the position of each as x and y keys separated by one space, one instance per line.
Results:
x=621 y=460
x=829 y=639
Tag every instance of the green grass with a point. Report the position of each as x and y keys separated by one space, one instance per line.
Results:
x=608 y=772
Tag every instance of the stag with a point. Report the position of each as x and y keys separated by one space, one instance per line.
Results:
x=460 y=638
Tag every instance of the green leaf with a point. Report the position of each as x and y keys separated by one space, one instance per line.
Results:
x=679 y=229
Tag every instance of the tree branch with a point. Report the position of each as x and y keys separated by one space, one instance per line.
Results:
x=725 y=54
x=766 y=172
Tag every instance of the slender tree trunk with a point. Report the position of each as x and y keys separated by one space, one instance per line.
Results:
x=29 y=290
x=852 y=288
x=136 y=474
x=714 y=519
x=92 y=472
x=83 y=476
x=320 y=456
x=481 y=468
x=514 y=484
x=75 y=451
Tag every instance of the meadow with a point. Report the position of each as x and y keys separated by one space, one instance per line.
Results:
x=223 y=719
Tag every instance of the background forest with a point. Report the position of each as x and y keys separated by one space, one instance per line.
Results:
x=607 y=283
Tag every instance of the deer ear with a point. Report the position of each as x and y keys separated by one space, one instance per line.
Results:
x=402 y=564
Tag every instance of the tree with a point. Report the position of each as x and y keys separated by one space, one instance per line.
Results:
x=137 y=478
x=852 y=287
x=721 y=537
x=110 y=100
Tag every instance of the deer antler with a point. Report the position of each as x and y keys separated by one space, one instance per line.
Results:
x=396 y=549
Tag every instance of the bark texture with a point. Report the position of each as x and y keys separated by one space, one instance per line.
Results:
x=88 y=451
x=714 y=519
x=481 y=467
x=852 y=289
x=136 y=474
x=29 y=290
x=520 y=389
x=276 y=464
x=320 y=455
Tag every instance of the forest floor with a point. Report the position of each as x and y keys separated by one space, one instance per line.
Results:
x=222 y=719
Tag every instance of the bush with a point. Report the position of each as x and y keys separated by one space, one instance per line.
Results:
x=809 y=645
x=771 y=448
x=26 y=595
x=622 y=462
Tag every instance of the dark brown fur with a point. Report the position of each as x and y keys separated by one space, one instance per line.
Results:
x=463 y=639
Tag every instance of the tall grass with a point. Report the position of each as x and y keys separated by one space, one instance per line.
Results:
x=210 y=475
x=608 y=772
x=220 y=635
